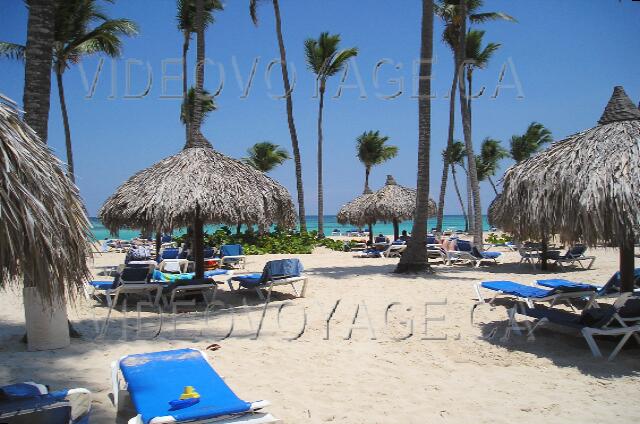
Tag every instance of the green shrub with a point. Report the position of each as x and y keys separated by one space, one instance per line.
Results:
x=493 y=238
x=275 y=242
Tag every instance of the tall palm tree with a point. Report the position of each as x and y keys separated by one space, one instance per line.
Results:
x=265 y=156
x=186 y=24
x=207 y=103
x=74 y=38
x=415 y=257
x=525 y=145
x=454 y=155
x=325 y=60
x=449 y=13
x=372 y=150
x=491 y=153
x=295 y=147
x=476 y=57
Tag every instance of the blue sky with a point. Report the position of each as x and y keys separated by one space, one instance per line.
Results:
x=565 y=57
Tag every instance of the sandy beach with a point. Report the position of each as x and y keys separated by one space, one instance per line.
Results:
x=388 y=367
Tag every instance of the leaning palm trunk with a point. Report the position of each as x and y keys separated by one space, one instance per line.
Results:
x=455 y=185
x=67 y=129
x=320 y=191
x=292 y=127
x=493 y=185
x=445 y=170
x=415 y=257
x=466 y=126
x=470 y=222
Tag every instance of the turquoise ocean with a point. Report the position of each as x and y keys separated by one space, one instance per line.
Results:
x=454 y=222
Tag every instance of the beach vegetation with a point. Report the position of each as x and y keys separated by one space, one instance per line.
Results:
x=266 y=156
x=372 y=150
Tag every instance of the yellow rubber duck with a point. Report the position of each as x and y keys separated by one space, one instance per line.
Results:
x=189 y=393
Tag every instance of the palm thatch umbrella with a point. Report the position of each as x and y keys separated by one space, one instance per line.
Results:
x=585 y=188
x=197 y=186
x=44 y=231
x=394 y=203
x=353 y=212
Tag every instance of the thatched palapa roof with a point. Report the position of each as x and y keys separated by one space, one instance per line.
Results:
x=392 y=202
x=227 y=191
x=584 y=188
x=44 y=231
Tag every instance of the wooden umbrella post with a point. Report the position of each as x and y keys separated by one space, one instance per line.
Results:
x=198 y=245
x=396 y=230
x=627 y=261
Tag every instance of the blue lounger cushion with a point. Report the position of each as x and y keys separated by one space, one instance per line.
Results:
x=553 y=283
x=154 y=379
x=521 y=290
x=490 y=255
x=102 y=285
x=249 y=281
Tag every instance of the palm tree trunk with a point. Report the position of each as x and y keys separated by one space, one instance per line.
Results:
x=197 y=104
x=470 y=222
x=371 y=234
x=320 y=192
x=627 y=261
x=292 y=128
x=367 y=171
x=185 y=89
x=455 y=185
x=36 y=102
x=415 y=257
x=466 y=126
x=65 y=122
x=445 y=170
x=492 y=185
x=396 y=230
x=37 y=68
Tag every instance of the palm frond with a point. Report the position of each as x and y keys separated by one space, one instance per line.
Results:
x=12 y=50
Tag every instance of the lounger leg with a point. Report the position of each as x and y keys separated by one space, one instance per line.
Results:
x=538 y=323
x=259 y=291
x=303 y=293
x=294 y=290
x=619 y=346
x=588 y=336
x=115 y=382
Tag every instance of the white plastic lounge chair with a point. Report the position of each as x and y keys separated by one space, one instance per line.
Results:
x=528 y=256
x=576 y=254
x=531 y=294
x=468 y=253
x=31 y=402
x=395 y=250
x=232 y=255
x=275 y=273
x=174 y=266
x=620 y=319
x=156 y=380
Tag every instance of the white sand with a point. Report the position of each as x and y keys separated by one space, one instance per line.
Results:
x=462 y=379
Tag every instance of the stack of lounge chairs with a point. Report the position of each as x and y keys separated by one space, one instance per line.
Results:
x=622 y=319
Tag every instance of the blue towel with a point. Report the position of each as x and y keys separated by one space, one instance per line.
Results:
x=155 y=379
x=249 y=281
x=490 y=255
x=282 y=268
x=171 y=253
x=102 y=285
x=231 y=250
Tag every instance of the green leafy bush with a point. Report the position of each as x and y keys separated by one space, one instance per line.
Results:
x=493 y=238
x=275 y=242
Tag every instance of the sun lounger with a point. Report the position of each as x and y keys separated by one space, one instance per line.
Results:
x=620 y=319
x=169 y=253
x=575 y=254
x=369 y=253
x=26 y=403
x=469 y=253
x=174 y=285
x=156 y=380
x=531 y=294
x=610 y=289
x=275 y=273
x=395 y=249
x=232 y=255
x=174 y=266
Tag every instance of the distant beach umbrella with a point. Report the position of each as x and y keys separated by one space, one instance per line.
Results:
x=44 y=232
x=392 y=203
x=585 y=188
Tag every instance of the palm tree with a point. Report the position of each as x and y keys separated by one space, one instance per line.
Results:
x=449 y=12
x=415 y=257
x=372 y=150
x=207 y=103
x=454 y=155
x=325 y=60
x=73 y=39
x=523 y=146
x=186 y=24
x=476 y=57
x=491 y=153
x=253 y=11
x=265 y=156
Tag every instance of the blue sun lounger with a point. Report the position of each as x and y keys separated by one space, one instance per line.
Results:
x=531 y=294
x=610 y=289
x=155 y=379
x=31 y=402
x=275 y=273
